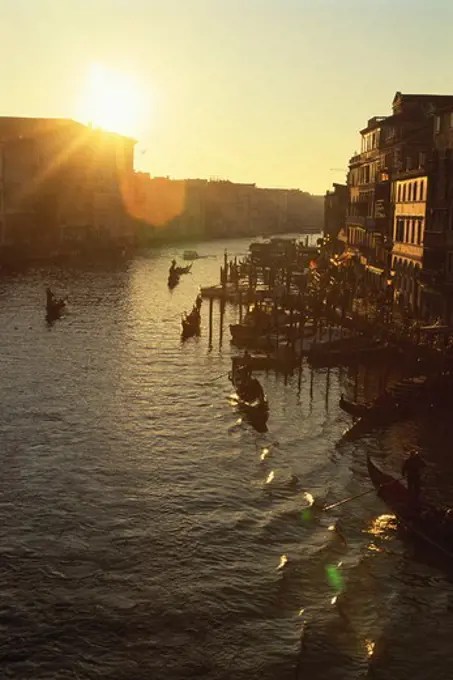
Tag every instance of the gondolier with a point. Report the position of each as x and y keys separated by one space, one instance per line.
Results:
x=411 y=469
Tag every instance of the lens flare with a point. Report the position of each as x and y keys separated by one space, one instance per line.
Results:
x=334 y=578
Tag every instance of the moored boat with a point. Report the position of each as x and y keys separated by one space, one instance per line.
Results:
x=354 y=408
x=385 y=410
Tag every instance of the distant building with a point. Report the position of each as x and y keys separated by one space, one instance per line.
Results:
x=62 y=184
x=335 y=207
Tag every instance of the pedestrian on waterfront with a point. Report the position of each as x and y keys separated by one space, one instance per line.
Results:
x=412 y=467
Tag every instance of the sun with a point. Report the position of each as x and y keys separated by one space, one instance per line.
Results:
x=113 y=102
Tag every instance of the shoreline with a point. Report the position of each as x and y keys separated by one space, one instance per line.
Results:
x=13 y=260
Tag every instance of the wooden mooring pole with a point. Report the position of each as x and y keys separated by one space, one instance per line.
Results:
x=222 y=315
x=211 y=304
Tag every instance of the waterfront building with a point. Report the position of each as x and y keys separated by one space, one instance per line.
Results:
x=389 y=145
x=335 y=207
x=437 y=273
x=62 y=184
x=409 y=193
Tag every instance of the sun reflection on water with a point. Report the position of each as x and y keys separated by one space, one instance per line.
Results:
x=309 y=498
x=370 y=646
x=283 y=561
x=381 y=525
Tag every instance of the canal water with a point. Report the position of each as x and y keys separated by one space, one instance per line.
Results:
x=148 y=532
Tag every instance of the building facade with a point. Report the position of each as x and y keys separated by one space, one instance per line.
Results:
x=437 y=274
x=63 y=184
x=390 y=145
x=335 y=207
x=410 y=191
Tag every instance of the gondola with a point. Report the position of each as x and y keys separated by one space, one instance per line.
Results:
x=191 y=324
x=173 y=279
x=55 y=309
x=426 y=522
x=373 y=413
x=354 y=408
x=250 y=396
x=182 y=270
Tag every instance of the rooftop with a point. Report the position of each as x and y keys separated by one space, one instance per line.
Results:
x=19 y=127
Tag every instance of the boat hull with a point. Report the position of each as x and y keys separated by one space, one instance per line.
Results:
x=425 y=522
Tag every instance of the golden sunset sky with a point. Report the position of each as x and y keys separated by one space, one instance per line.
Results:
x=265 y=91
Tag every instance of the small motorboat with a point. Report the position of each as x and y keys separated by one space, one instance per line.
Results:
x=190 y=255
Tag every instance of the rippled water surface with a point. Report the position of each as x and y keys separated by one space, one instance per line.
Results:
x=148 y=532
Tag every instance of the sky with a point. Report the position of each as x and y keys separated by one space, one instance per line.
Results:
x=266 y=91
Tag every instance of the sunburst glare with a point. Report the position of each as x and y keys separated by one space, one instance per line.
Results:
x=113 y=101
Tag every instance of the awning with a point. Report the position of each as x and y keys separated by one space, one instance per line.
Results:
x=435 y=328
x=345 y=256
x=342 y=235
x=375 y=270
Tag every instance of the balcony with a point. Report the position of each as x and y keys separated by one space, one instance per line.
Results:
x=368 y=223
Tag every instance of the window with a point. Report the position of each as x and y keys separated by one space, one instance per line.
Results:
x=437 y=122
x=416 y=231
x=398 y=193
x=422 y=190
x=451 y=120
x=404 y=193
x=415 y=192
x=409 y=191
x=420 y=232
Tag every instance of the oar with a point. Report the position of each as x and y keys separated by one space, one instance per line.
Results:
x=213 y=379
x=359 y=495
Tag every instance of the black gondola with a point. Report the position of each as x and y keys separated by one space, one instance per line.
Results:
x=54 y=306
x=191 y=324
x=173 y=279
x=183 y=270
x=375 y=413
x=425 y=522
x=250 y=395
